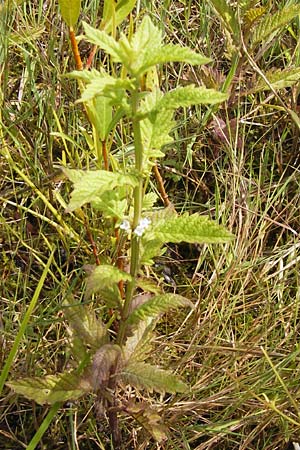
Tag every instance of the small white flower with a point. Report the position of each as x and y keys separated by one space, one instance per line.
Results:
x=125 y=225
x=144 y=223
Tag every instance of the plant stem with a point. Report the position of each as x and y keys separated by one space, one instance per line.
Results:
x=75 y=49
x=138 y=201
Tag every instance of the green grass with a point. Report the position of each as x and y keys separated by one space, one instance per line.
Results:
x=239 y=348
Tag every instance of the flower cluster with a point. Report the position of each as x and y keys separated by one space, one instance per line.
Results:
x=144 y=223
x=125 y=225
x=139 y=230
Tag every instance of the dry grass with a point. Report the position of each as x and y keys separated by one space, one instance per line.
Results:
x=239 y=348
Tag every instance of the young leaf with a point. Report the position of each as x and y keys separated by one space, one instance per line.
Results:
x=274 y=22
x=185 y=228
x=278 y=79
x=104 y=277
x=157 y=305
x=90 y=186
x=70 y=10
x=52 y=388
x=152 y=378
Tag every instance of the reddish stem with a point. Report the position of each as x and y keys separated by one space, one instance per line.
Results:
x=91 y=57
x=75 y=50
x=91 y=239
x=161 y=186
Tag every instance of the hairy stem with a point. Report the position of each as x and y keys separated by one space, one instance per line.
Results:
x=138 y=200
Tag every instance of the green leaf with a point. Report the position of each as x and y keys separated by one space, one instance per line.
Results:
x=190 y=95
x=272 y=23
x=187 y=228
x=151 y=249
x=105 y=85
x=278 y=79
x=152 y=378
x=149 y=51
x=70 y=10
x=138 y=344
x=91 y=185
x=102 y=84
x=144 y=50
x=104 y=277
x=100 y=114
x=170 y=53
x=104 y=41
x=155 y=129
x=146 y=37
x=52 y=388
x=157 y=305
x=149 y=201
x=113 y=204
x=84 y=327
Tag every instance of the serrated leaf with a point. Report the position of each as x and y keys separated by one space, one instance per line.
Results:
x=105 y=359
x=144 y=50
x=146 y=36
x=152 y=378
x=253 y=14
x=103 y=278
x=138 y=344
x=157 y=305
x=149 y=201
x=104 y=41
x=190 y=95
x=89 y=186
x=278 y=79
x=148 y=50
x=70 y=10
x=274 y=22
x=155 y=129
x=150 y=249
x=113 y=88
x=52 y=388
x=169 y=53
x=187 y=228
x=84 y=328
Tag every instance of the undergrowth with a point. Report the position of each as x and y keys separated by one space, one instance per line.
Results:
x=238 y=163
